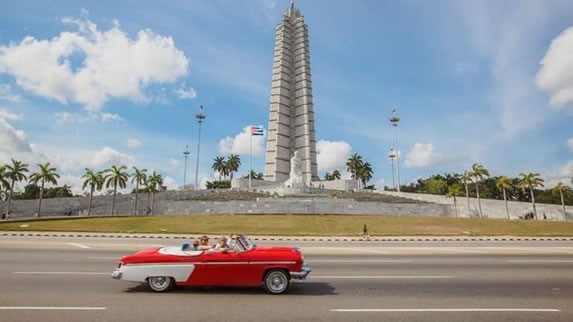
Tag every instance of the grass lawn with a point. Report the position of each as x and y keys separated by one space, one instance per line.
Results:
x=299 y=225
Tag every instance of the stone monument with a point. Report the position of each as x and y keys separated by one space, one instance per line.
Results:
x=295 y=179
x=291 y=117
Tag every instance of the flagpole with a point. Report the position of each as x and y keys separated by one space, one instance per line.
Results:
x=250 y=156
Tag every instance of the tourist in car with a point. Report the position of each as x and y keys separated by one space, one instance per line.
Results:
x=204 y=244
x=222 y=245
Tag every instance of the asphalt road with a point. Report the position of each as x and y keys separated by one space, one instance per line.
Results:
x=68 y=279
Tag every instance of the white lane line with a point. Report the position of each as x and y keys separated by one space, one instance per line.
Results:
x=463 y=250
x=381 y=277
x=356 y=261
x=80 y=245
x=64 y=273
x=353 y=249
x=67 y=308
x=539 y=261
x=448 y=310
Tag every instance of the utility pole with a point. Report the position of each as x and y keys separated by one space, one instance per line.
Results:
x=200 y=117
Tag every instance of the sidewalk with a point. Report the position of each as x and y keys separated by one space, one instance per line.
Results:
x=288 y=238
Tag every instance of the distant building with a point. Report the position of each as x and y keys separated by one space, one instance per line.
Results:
x=291 y=116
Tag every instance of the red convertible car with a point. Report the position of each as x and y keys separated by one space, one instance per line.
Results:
x=246 y=265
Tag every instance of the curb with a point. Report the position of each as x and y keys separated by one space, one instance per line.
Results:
x=293 y=238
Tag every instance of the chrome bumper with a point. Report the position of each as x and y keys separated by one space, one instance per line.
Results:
x=302 y=274
x=116 y=274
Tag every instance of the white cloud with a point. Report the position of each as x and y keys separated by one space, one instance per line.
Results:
x=570 y=144
x=170 y=183
x=422 y=155
x=107 y=157
x=174 y=162
x=186 y=93
x=332 y=155
x=239 y=144
x=7 y=115
x=560 y=174
x=556 y=74
x=90 y=117
x=90 y=66
x=7 y=95
x=13 y=142
x=133 y=143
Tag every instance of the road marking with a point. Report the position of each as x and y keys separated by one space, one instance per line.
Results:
x=357 y=261
x=80 y=245
x=539 y=261
x=448 y=310
x=463 y=250
x=354 y=249
x=75 y=308
x=64 y=273
x=381 y=277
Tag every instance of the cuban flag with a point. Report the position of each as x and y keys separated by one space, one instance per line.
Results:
x=256 y=130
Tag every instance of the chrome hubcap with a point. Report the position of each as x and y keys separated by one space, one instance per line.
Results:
x=159 y=282
x=277 y=282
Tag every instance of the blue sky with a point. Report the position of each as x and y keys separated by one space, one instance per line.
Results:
x=90 y=84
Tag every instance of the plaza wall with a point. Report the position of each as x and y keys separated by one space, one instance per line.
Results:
x=181 y=203
x=490 y=208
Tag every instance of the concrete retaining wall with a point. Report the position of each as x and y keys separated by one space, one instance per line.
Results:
x=491 y=208
x=180 y=202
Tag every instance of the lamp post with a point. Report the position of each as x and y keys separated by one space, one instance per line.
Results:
x=186 y=154
x=392 y=156
x=200 y=117
x=394 y=120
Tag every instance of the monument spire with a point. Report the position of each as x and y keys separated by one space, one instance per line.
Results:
x=291 y=116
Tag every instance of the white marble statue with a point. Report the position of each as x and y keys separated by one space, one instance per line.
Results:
x=295 y=179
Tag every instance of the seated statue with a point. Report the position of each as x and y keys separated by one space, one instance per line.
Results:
x=295 y=179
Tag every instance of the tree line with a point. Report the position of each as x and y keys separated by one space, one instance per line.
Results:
x=477 y=183
x=113 y=178
x=226 y=167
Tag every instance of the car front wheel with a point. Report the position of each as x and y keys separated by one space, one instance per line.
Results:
x=160 y=283
x=276 y=281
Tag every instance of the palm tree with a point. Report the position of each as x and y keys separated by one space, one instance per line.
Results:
x=364 y=173
x=561 y=189
x=454 y=191
x=44 y=174
x=504 y=184
x=352 y=165
x=15 y=173
x=479 y=172
x=466 y=179
x=336 y=175
x=115 y=176
x=233 y=163
x=95 y=181
x=139 y=177
x=153 y=182
x=219 y=165
x=530 y=181
x=4 y=184
x=254 y=175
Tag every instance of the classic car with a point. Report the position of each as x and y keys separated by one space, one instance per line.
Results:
x=244 y=264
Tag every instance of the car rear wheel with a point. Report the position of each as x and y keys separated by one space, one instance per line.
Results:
x=276 y=281
x=160 y=283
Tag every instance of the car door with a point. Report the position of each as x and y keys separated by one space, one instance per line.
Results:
x=226 y=268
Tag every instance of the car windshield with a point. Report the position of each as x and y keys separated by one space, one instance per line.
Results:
x=247 y=243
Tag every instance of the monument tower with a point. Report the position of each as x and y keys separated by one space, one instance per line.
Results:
x=291 y=116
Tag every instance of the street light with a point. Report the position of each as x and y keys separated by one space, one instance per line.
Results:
x=200 y=117
x=186 y=154
x=394 y=120
x=392 y=156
